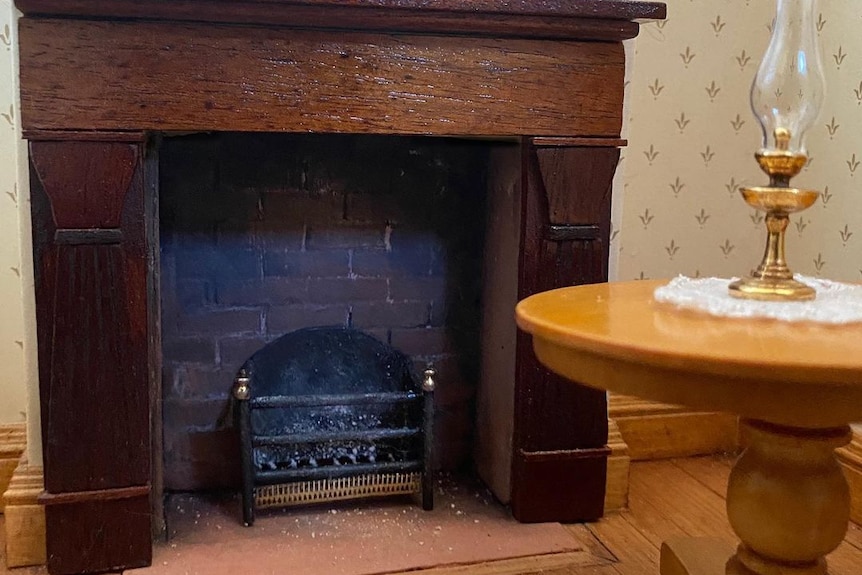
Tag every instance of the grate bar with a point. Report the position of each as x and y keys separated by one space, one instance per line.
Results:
x=318 y=436
x=275 y=401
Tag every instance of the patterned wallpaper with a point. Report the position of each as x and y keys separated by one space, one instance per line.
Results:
x=692 y=139
x=692 y=142
x=14 y=337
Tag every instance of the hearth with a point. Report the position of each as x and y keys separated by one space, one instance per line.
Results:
x=102 y=81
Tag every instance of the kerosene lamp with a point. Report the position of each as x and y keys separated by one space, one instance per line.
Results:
x=786 y=98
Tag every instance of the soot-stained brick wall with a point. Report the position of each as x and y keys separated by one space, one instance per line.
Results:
x=265 y=234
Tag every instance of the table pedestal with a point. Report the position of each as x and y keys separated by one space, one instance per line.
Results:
x=788 y=502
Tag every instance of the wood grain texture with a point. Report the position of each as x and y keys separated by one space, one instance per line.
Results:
x=103 y=442
x=543 y=485
x=551 y=413
x=850 y=458
x=95 y=537
x=612 y=339
x=25 y=518
x=702 y=556
x=154 y=329
x=410 y=21
x=619 y=465
x=662 y=496
x=87 y=182
x=91 y=303
x=13 y=443
x=583 y=20
x=578 y=183
x=162 y=76
x=555 y=414
x=656 y=430
x=613 y=9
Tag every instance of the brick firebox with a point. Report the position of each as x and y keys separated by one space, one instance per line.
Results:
x=262 y=234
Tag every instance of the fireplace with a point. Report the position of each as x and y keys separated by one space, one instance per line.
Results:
x=102 y=83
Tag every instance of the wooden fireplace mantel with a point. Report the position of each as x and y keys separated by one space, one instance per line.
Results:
x=99 y=79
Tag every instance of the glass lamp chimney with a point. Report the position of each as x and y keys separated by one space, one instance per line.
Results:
x=789 y=88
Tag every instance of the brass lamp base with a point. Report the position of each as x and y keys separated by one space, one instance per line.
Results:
x=771 y=290
x=773 y=280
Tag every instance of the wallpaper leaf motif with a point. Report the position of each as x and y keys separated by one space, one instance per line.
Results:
x=646 y=218
x=732 y=186
x=712 y=91
x=832 y=127
x=839 y=56
x=13 y=195
x=687 y=56
x=689 y=123
x=819 y=263
x=651 y=154
x=853 y=164
x=10 y=116
x=14 y=208
x=757 y=217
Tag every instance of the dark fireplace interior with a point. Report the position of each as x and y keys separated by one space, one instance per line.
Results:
x=264 y=234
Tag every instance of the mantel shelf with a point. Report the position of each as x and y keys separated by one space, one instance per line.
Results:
x=573 y=19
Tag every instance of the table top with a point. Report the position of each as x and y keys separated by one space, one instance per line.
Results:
x=615 y=336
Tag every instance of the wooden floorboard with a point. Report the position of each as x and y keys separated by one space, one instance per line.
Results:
x=20 y=570
x=668 y=499
x=635 y=553
x=712 y=471
x=854 y=536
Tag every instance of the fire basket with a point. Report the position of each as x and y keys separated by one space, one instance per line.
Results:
x=329 y=414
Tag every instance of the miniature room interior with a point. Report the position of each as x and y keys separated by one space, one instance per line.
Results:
x=261 y=261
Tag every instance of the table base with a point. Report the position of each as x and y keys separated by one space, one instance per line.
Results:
x=787 y=500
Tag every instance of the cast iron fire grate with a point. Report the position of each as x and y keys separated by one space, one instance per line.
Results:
x=328 y=414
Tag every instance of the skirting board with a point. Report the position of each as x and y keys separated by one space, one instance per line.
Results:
x=25 y=518
x=13 y=441
x=850 y=458
x=641 y=430
x=617 y=483
x=658 y=431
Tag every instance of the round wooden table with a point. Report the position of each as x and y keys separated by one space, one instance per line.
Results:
x=796 y=387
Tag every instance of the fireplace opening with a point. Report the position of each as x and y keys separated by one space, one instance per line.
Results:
x=265 y=234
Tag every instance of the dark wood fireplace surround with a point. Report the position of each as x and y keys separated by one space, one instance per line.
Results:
x=100 y=80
